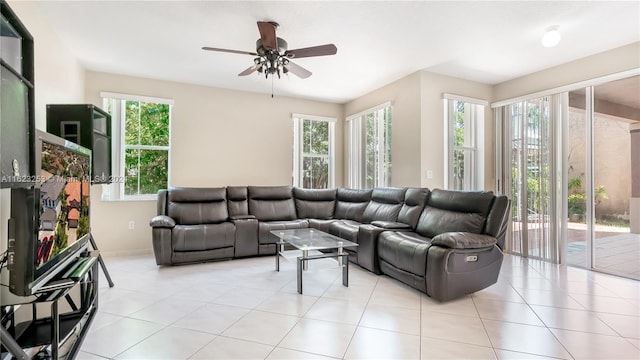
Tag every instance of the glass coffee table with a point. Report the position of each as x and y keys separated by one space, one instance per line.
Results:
x=312 y=239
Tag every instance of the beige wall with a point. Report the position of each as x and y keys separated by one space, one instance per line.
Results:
x=59 y=78
x=218 y=137
x=605 y=63
x=418 y=125
x=404 y=95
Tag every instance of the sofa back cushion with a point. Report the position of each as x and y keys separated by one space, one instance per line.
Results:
x=385 y=204
x=447 y=211
x=237 y=200
x=271 y=203
x=351 y=203
x=190 y=206
x=315 y=203
x=414 y=202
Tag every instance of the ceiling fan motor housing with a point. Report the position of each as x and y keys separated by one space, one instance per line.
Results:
x=262 y=51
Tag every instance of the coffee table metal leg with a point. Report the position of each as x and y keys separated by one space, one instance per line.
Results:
x=300 y=265
x=345 y=269
x=277 y=257
x=305 y=256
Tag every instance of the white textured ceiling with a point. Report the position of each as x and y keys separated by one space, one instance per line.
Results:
x=378 y=41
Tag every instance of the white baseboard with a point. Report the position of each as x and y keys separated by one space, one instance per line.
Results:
x=135 y=252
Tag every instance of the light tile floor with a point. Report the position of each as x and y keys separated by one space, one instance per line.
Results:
x=244 y=309
x=616 y=254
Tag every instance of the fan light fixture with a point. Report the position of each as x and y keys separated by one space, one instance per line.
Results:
x=551 y=37
x=273 y=57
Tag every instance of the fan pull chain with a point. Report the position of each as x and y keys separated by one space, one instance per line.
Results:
x=272 y=87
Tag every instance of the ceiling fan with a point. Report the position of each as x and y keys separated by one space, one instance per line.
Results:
x=273 y=56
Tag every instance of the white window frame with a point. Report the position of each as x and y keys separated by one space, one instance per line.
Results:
x=298 y=155
x=474 y=141
x=356 y=132
x=115 y=190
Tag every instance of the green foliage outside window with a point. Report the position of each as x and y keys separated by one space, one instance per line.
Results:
x=315 y=154
x=146 y=167
x=577 y=199
x=458 y=140
x=378 y=148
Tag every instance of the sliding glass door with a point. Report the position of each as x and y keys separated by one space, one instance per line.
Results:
x=603 y=223
x=529 y=157
x=571 y=166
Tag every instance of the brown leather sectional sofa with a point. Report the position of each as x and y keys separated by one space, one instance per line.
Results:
x=444 y=243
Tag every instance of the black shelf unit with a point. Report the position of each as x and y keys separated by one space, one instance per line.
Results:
x=17 y=110
x=61 y=335
x=86 y=125
x=39 y=332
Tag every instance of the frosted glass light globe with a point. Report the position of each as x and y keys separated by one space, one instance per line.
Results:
x=552 y=37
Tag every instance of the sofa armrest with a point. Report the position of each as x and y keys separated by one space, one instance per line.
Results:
x=463 y=240
x=367 y=254
x=242 y=217
x=391 y=225
x=161 y=241
x=162 y=221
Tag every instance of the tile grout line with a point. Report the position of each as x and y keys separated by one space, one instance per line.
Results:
x=300 y=318
x=361 y=316
x=538 y=316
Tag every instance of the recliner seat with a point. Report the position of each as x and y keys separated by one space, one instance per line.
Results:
x=453 y=249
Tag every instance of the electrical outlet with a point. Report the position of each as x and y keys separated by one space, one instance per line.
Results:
x=132 y=225
x=429 y=174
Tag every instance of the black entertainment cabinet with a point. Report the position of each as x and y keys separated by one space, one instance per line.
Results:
x=53 y=321
x=57 y=334
x=17 y=101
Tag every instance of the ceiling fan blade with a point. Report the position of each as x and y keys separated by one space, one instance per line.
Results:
x=268 y=34
x=322 y=50
x=298 y=70
x=249 y=70
x=229 y=51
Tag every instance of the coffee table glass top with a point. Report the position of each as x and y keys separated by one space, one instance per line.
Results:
x=311 y=239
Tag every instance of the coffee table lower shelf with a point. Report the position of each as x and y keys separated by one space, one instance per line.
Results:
x=302 y=265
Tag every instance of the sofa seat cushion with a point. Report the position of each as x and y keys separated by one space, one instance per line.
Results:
x=202 y=237
x=346 y=229
x=264 y=227
x=404 y=250
x=322 y=225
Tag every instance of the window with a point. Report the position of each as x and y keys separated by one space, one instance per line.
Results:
x=313 y=155
x=140 y=145
x=369 y=136
x=465 y=143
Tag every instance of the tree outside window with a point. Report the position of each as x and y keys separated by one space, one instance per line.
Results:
x=378 y=148
x=313 y=155
x=144 y=138
x=369 y=146
x=465 y=124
